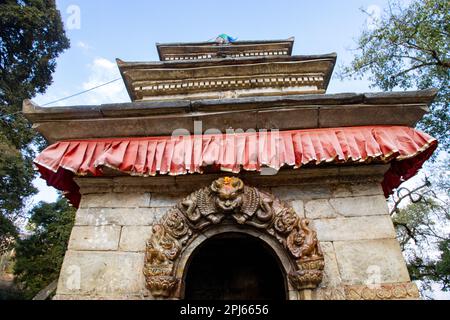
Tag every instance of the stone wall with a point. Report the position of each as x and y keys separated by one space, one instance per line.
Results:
x=105 y=257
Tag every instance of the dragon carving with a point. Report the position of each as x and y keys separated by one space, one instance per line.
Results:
x=229 y=198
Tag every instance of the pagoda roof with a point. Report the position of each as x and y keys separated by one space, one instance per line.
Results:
x=226 y=77
x=208 y=49
x=159 y=118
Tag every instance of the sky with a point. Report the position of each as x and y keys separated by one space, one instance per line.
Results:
x=101 y=31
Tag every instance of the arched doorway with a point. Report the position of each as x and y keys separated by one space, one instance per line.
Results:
x=229 y=206
x=234 y=266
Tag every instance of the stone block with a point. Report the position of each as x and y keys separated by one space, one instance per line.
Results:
x=287 y=119
x=370 y=261
x=392 y=291
x=297 y=205
x=102 y=274
x=318 y=209
x=360 y=206
x=332 y=293
x=356 y=228
x=134 y=238
x=302 y=192
x=94 y=238
x=161 y=200
x=159 y=213
x=115 y=200
x=118 y=216
x=357 y=190
x=331 y=276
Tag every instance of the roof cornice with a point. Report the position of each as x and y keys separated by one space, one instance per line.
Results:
x=275 y=112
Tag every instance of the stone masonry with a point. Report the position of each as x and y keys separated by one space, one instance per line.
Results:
x=347 y=208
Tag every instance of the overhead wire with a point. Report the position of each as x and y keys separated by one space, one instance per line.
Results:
x=81 y=92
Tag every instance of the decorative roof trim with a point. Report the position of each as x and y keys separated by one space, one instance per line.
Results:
x=405 y=148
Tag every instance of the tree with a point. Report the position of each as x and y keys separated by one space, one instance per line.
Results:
x=409 y=48
x=8 y=233
x=40 y=255
x=16 y=173
x=425 y=244
x=31 y=38
x=423 y=227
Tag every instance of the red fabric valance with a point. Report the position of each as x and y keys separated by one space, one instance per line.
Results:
x=407 y=149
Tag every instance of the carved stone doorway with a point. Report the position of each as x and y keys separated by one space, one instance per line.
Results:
x=234 y=266
x=228 y=203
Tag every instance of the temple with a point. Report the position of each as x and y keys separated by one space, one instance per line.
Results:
x=231 y=174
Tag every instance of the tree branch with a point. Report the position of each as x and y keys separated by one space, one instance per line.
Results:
x=408 y=230
x=408 y=195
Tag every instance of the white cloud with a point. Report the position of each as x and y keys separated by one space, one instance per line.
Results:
x=102 y=71
x=83 y=45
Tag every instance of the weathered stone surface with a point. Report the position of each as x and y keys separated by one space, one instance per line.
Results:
x=357 y=190
x=288 y=118
x=293 y=295
x=184 y=51
x=94 y=185
x=245 y=120
x=102 y=274
x=298 y=207
x=390 y=291
x=370 y=261
x=161 y=200
x=134 y=238
x=115 y=200
x=394 y=291
x=363 y=174
x=331 y=276
x=360 y=206
x=333 y=293
x=302 y=192
x=185 y=184
x=159 y=212
x=357 y=228
x=341 y=116
x=117 y=216
x=94 y=238
x=53 y=122
x=321 y=208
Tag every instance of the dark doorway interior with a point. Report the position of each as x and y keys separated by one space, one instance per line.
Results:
x=234 y=267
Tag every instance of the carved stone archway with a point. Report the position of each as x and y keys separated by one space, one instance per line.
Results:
x=228 y=199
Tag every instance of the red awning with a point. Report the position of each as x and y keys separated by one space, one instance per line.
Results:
x=405 y=148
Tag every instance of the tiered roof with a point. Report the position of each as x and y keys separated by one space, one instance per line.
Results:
x=248 y=86
x=209 y=70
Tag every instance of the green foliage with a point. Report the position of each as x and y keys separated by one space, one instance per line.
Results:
x=16 y=174
x=8 y=233
x=409 y=48
x=31 y=38
x=429 y=271
x=40 y=255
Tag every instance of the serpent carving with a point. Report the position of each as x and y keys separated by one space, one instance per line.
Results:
x=229 y=198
